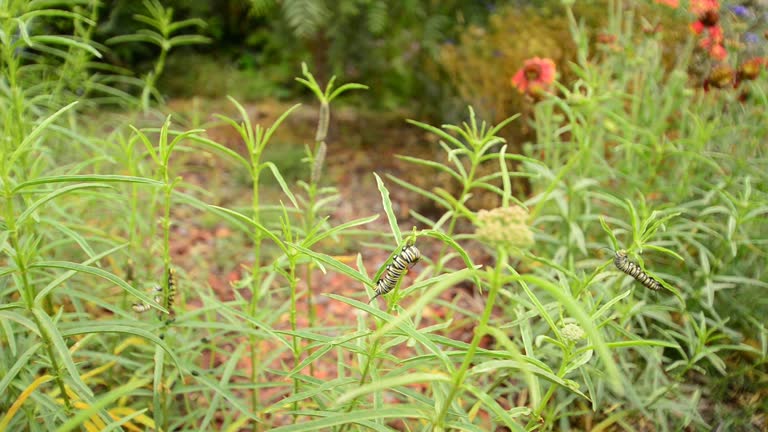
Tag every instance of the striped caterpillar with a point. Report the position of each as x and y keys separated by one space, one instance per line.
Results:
x=624 y=264
x=158 y=290
x=143 y=307
x=406 y=259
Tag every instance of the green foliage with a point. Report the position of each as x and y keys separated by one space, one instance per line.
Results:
x=550 y=336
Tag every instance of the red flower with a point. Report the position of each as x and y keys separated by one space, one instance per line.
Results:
x=713 y=42
x=671 y=3
x=536 y=75
x=706 y=20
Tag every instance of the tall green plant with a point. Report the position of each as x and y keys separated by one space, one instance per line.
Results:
x=161 y=34
x=317 y=198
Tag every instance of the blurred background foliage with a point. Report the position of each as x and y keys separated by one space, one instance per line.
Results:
x=432 y=57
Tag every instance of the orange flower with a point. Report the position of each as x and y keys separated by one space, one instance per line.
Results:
x=750 y=69
x=536 y=75
x=718 y=52
x=699 y=7
x=671 y=3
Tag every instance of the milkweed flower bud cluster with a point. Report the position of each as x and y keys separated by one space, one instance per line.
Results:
x=572 y=332
x=504 y=227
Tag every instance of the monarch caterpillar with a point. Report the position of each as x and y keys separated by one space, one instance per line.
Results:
x=406 y=259
x=158 y=290
x=171 y=291
x=143 y=307
x=624 y=264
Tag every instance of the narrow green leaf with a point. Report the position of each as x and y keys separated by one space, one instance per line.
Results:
x=494 y=407
x=35 y=134
x=100 y=273
x=495 y=130
x=271 y=130
x=177 y=139
x=86 y=179
x=147 y=143
x=309 y=241
x=336 y=265
x=439 y=132
x=62 y=352
x=18 y=365
x=423 y=192
x=606 y=307
x=221 y=149
x=7 y=314
x=455 y=246
x=201 y=205
x=191 y=22
x=541 y=309
x=323 y=389
x=188 y=40
x=279 y=177
x=235 y=400
x=135 y=37
x=316 y=354
x=356 y=417
x=664 y=250
x=632 y=344
x=34 y=206
x=56 y=13
x=491 y=367
x=388 y=210
x=431 y=164
x=505 y=177
x=392 y=383
x=66 y=41
x=346 y=87
x=74 y=235
x=157 y=386
x=610 y=233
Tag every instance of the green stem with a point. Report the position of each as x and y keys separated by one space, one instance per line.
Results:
x=372 y=353
x=318 y=159
x=534 y=420
x=255 y=287
x=363 y=377
x=27 y=290
x=480 y=331
x=294 y=339
x=160 y=354
x=455 y=216
x=51 y=356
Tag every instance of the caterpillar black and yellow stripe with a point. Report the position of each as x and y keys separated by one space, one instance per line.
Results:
x=406 y=259
x=623 y=263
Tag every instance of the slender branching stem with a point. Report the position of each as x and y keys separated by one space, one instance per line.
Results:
x=480 y=331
